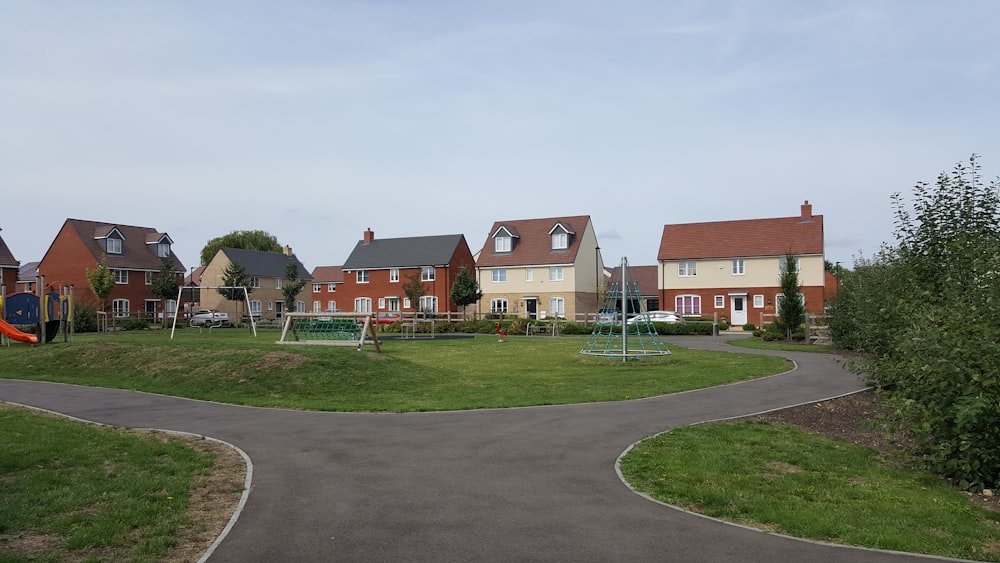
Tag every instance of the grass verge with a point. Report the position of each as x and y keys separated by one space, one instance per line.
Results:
x=779 y=478
x=76 y=492
x=231 y=366
x=758 y=344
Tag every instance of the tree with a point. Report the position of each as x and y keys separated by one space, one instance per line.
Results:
x=102 y=283
x=414 y=290
x=236 y=280
x=791 y=312
x=924 y=313
x=292 y=286
x=247 y=240
x=165 y=283
x=465 y=290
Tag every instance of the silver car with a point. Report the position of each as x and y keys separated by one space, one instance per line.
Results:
x=209 y=317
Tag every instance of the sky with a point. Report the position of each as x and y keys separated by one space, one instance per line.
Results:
x=317 y=120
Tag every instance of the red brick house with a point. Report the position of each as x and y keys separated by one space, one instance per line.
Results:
x=8 y=269
x=376 y=271
x=731 y=269
x=325 y=281
x=133 y=254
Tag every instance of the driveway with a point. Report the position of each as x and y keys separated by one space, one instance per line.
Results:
x=524 y=484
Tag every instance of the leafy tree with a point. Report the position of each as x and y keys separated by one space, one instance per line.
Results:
x=292 y=286
x=235 y=278
x=247 y=240
x=102 y=283
x=790 y=310
x=414 y=289
x=165 y=283
x=925 y=313
x=465 y=290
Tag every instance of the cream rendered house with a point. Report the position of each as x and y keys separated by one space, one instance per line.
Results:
x=538 y=268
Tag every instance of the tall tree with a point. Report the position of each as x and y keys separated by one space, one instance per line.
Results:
x=102 y=283
x=465 y=290
x=247 y=240
x=292 y=286
x=165 y=284
x=791 y=312
x=414 y=289
x=236 y=280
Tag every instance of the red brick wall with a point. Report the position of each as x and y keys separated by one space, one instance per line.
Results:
x=9 y=279
x=814 y=301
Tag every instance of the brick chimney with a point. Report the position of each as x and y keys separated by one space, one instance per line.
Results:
x=369 y=235
x=287 y=250
x=807 y=213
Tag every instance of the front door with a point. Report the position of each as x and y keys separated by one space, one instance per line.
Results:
x=279 y=307
x=531 y=306
x=738 y=312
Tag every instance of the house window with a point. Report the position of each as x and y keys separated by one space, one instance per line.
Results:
x=758 y=301
x=362 y=277
x=529 y=274
x=151 y=306
x=114 y=245
x=781 y=264
x=381 y=302
x=363 y=305
x=501 y=244
x=429 y=304
x=720 y=301
x=270 y=305
x=406 y=303
x=780 y=296
x=394 y=275
x=149 y=278
x=738 y=267
x=317 y=306
x=393 y=303
x=162 y=250
x=687 y=268
x=255 y=308
x=255 y=282
x=427 y=273
x=688 y=305
x=317 y=287
x=277 y=283
x=331 y=305
x=556 y=273
x=560 y=240
x=498 y=305
x=121 y=276
x=120 y=307
x=171 y=307
x=331 y=287
x=499 y=275
x=557 y=307
x=300 y=307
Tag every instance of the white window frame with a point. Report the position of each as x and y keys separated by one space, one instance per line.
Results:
x=362 y=276
x=429 y=299
x=758 y=301
x=331 y=305
x=317 y=306
x=557 y=307
x=501 y=244
x=393 y=275
x=499 y=275
x=556 y=273
x=255 y=282
x=120 y=307
x=255 y=308
x=529 y=274
x=331 y=287
x=277 y=283
x=300 y=307
x=779 y=296
x=149 y=278
x=381 y=303
x=121 y=277
x=739 y=267
x=498 y=305
x=781 y=265
x=317 y=287
x=560 y=240
x=681 y=302
x=406 y=303
x=427 y=273
x=363 y=304
x=720 y=301
x=114 y=245
x=687 y=268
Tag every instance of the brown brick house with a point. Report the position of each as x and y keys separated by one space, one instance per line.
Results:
x=133 y=254
x=8 y=269
x=325 y=281
x=267 y=275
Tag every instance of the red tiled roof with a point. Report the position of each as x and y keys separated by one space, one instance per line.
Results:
x=6 y=256
x=744 y=238
x=645 y=278
x=328 y=274
x=135 y=252
x=533 y=245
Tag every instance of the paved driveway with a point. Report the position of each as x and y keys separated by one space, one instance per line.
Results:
x=526 y=484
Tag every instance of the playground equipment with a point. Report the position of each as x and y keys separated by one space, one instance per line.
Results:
x=237 y=289
x=613 y=337
x=50 y=314
x=330 y=329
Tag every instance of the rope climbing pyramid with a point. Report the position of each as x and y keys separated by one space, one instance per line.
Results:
x=619 y=333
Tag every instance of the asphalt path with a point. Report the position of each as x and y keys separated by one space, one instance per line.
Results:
x=522 y=484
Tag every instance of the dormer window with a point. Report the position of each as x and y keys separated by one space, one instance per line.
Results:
x=503 y=240
x=114 y=245
x=560 y=237
x=159 y=244
x=162 y=250
x=501 y=244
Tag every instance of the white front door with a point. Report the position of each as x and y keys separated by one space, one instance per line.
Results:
x=738 y=310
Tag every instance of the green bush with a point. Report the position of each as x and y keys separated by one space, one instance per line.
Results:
x=134 y=323
x=84 y=317
x=750 y=327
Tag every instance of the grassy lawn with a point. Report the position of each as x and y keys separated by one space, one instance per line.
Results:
x=758 y=344
x=76 y=492
x=776 y=477
x=231 y=366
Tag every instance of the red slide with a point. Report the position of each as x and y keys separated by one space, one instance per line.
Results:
x=8 y=330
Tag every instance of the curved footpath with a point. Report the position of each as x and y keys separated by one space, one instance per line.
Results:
x=523 y=484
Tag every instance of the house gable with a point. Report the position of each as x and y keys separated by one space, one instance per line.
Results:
x=533 y=246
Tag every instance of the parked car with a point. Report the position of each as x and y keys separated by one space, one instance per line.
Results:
x=609 y=316
x=387 y=318
x=208 y=317
x=656 y=317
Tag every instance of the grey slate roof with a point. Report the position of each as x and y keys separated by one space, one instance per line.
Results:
x=265 y=264
x=407 y=252
x=136 y=254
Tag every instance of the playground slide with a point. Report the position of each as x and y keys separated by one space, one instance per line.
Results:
x=9 y=331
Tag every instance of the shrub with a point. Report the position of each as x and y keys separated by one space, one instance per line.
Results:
x=134 y=323
x=84 y=317
x=750 y=327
